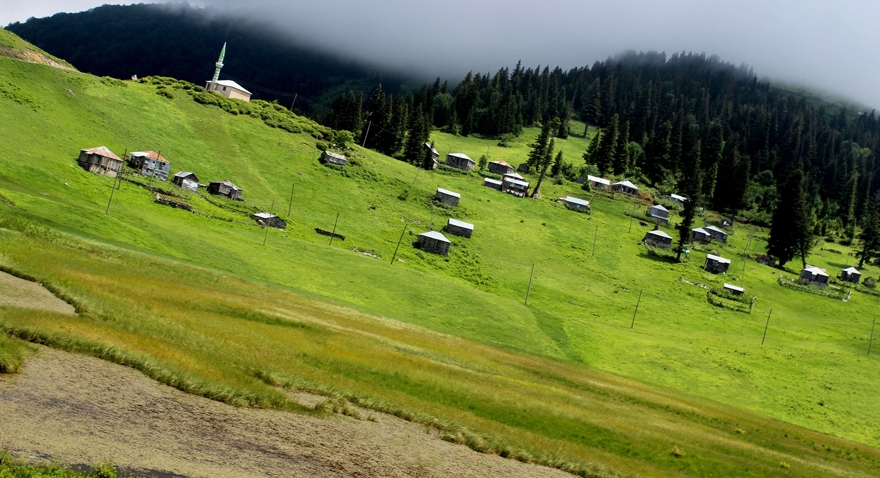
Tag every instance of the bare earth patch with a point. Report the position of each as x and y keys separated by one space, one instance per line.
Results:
x=79 y=409
x=30 y=295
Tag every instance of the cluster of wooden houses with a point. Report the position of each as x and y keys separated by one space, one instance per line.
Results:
x=511 y=182
x=100 y=160
x=436 y=242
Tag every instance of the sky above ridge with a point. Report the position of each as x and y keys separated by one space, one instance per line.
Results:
x=824 y=45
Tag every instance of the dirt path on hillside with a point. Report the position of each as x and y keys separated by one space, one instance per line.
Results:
x=81 y=410
x=30 y=295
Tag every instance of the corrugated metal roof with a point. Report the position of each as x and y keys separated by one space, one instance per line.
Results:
x=227 y=182
x=660 y=207
x=460 y=155
x=626 y=184
x=678 y=197
x=852 y=270
x=701 y=231
x=264 y=215
x=659 y=233
x=102 y=151
x=150 y=154
x=510 y=180
x=514 y=176
x=492 y=181
x=462 y=224
x=503 y=163
x=733 y=287
x=718 y=258
x=815 y=270
x=713 y=228
x=231 y=84
x=448 y=192
x=582 y=202
x=598 y=180
x=435 y=235
x=184 y=174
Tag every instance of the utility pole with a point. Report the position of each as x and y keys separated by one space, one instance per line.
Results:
x=633 y=324
x=746 y=253
x=364 y=144
x=872 y=335
x=529 y=290
x=595 y=236
x=398 y=243
x=112 y=190
x=765 y=327
x=334 y=229
x=266 y=237
x=631 y=213
x=290 y=205
x=294 y=101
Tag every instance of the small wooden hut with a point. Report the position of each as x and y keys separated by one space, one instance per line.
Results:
x=186 y=180
x=625 y=187
x=658 y=213
x=433 y=241
x=716 y=264
x=100 y=160
x=271 y=220
x=446 y=196
x=501 y=167
x=717 y=234
x=850 y=274
x=459 y=228
x=492 y=183
x=700 y=235
x=514 y=186
x=329 y=157
x=225 y=188
x=150 y=164
x=658 y=238
x=460 y=161
x=812 y=275
x=523 y=168
x=678 y=198
x=575 y=203
x=599 y=183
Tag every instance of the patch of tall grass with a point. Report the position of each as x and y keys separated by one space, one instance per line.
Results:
x=13 y=467
x=12 y=354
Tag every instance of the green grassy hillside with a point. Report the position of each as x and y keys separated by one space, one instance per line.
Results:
x=812 y=371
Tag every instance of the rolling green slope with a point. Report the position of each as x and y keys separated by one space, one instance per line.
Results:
x=812 y=371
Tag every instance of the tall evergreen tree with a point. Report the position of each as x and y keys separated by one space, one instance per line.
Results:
x=691 y=187
x=539 y=147
x=543 y=165
x=604 y=157
x=790 y=230
x=870 y=235
x=416 y=138
x=557 y=165
x=590 y=154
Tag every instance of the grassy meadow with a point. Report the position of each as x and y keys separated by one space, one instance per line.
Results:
x=197 y=300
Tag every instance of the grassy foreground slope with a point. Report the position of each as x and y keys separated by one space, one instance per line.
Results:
x=812 y=370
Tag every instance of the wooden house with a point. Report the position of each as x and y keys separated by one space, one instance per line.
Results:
x=735 y=290
x=700 y=235
x=329 y=157
x=186 y=180
x=225 y=188
x=716 y=264
x=435 y=242
x=501 y=167
x=523 y=168
x=271 y=220
x=447 y=197
x=812 y=275
x=460 y=161
x=492 y=183
x=575 y=203
x=658 y=238
x=599 y=183
x=514 y=186
x=717 y=234
x=431 y=164
x=625 y=187
x=150 y=164
x=100 y=160
x=459 y=228
x=658 y=213
x=229 y=89
x=850 y=274
x=678 y=198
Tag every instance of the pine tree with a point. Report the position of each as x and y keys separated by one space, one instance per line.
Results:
x=621 y=160
x=604 y=157
x=691 y=187
x=544 y=163
x=539 y=147
x=557 y=165
x=418 y=135
x=870 y=235
x=790 y=230
x=590 y=153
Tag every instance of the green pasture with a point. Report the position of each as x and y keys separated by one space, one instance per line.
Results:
x=198 y=297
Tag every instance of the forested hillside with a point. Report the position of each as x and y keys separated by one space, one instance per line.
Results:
x=183 y=42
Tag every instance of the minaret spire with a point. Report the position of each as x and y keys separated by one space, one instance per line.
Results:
x=219 y=65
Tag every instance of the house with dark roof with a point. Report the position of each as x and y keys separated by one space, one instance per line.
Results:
x=100 y=160
x=225 y=188
x=716 y=233
x=186 y=180
x=433 y=241
x=271 y=220
x=501 y=167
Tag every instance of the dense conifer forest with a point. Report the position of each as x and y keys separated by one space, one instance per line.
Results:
x=660 y=118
